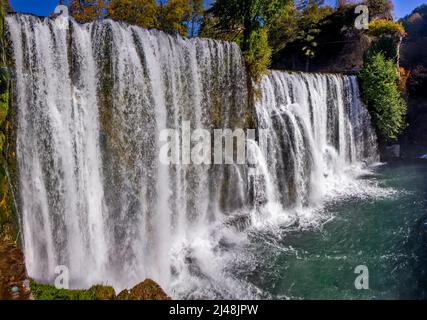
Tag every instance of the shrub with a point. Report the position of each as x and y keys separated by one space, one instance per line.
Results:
x=382 y=27
x=380 y=87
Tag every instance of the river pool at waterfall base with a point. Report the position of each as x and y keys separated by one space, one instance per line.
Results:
x=388 y=235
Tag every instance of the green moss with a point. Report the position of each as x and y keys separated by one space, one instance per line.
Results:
x=147 y=290
x=49 y=292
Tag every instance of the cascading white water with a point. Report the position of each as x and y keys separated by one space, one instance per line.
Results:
x=91 y=103
x=317 y=128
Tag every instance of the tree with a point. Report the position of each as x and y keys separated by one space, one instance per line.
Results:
x=380 y=87
x=309 y=28
x=138 y=12
x=342 y=3
x=303 y=4
x=88 y=11
x=196 y=16
x=173 y=16
x=250 y=15
x=247 y=22
x=300 y=27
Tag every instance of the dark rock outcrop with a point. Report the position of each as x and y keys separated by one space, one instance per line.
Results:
x=13 y=276
x=414 y=60
x=341 y=47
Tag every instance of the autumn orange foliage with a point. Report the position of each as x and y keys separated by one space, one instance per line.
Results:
x=138 y=12
x=173 y=16
x=85 y=11
x=403 y=79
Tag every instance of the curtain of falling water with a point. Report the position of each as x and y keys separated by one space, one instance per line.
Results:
x=92 y=100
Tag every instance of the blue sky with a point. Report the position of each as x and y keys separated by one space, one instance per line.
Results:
x=44 y=7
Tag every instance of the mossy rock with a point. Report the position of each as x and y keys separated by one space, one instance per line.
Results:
x=147 y=290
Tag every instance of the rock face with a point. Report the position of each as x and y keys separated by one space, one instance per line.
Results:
x=392 y=152
x=414 y=59
x=13 y=279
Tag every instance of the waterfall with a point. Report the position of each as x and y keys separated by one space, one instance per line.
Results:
x=92 y=104
x=317 y=128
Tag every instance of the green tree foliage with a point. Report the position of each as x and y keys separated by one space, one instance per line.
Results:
x=247 y=15
x=301 y=26
x=173 y=16
x=309 y=27
x=379 y=82
x=248 y=23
